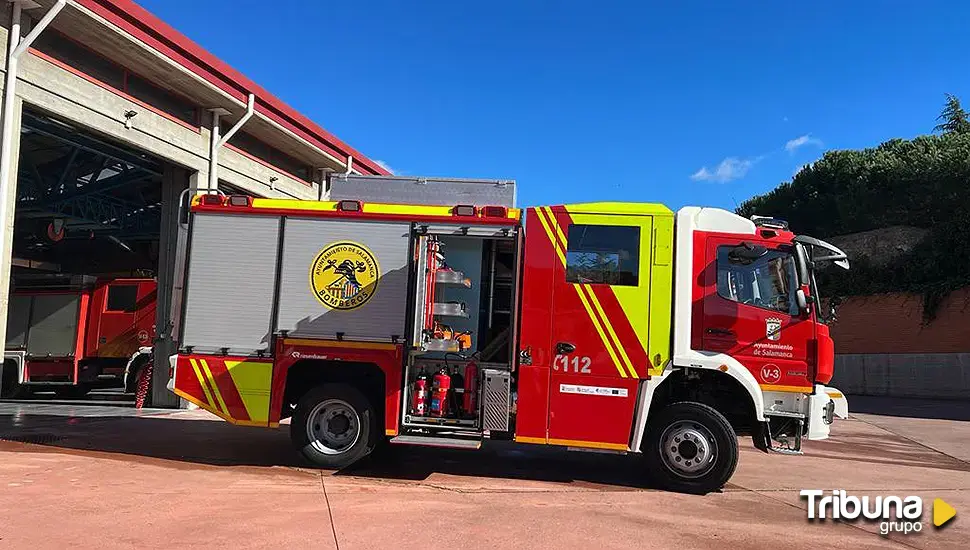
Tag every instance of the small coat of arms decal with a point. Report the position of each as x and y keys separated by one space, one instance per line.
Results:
x=773 y=328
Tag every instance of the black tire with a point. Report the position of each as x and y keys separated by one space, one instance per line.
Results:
x=10 y=387
x=72 y=392
x=134 y=371
x=333 y=448
x=690 y=448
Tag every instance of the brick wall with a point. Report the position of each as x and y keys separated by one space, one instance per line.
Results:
x=892 y=323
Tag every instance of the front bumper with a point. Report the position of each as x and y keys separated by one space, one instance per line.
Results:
x=823 y=406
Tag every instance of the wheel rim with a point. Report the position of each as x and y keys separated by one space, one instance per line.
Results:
x=688 y=449
x=333 y=427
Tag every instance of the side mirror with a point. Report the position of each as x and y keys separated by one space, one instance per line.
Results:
x=745 y=253
x=802 y=300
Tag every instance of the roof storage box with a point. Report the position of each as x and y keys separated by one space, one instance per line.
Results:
x=428 y=191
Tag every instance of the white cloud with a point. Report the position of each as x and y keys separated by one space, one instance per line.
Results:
x=729 y=169
x=801 y=141
x=385 y=166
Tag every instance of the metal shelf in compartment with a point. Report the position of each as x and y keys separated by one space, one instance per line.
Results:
x=440 y=421
x=450 y=309
x=450 y=277
x=441 y=344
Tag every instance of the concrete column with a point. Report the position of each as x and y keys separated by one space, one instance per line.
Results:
x=171 y=253
x=10 y=186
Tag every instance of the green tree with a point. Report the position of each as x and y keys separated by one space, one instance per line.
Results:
x=920 y=182
x=953 y=119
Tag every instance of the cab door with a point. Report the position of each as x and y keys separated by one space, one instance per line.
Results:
x=122 y=318
x=599 y=319
x=751 y=314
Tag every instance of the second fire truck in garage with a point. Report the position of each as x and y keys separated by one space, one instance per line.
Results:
x=609 y=326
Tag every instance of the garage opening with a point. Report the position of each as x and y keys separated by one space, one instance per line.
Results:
x=86 y=250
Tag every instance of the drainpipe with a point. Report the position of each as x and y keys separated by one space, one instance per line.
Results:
x=217 y=141
x=15 y=48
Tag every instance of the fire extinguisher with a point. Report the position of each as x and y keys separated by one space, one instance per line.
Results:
x=440 y=385
x=471 y=386
x=419 y=399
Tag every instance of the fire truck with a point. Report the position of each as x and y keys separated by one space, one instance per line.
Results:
x=74 y=333
x=613 y=327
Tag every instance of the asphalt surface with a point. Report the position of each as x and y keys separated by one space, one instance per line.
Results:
x=100 y=474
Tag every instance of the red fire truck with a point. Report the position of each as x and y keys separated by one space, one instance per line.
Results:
x=607 y=326
x=72 y=334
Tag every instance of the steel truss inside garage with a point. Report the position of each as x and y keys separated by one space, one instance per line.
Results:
x=84 y=204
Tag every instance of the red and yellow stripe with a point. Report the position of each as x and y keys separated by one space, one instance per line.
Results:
x=593 y=300
x=237 y=390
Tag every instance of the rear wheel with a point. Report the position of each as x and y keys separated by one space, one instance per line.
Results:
x=10 y=386
x=334 y=425
x=691 y=448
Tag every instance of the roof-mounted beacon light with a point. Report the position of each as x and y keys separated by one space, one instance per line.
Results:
x=495 y=212
x=769 y=222
x=464 y=210
x=350 y=206
x=212 y=200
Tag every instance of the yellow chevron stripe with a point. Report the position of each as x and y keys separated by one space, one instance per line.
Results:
x=555 y=224
x=215 y=388
x=542 y=212
x=600 y=331
x=611 y=332
x=610 y=339
x=545 y=225
x=205 y=387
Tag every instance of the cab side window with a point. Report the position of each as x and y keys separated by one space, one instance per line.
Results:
x=769 y=282
x=603 y=254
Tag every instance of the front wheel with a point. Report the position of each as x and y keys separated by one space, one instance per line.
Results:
x=691 y=448
x=334 y=425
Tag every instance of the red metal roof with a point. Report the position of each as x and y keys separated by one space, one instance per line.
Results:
x=151 y=30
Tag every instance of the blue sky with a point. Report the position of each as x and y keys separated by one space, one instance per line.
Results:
x=703 y=103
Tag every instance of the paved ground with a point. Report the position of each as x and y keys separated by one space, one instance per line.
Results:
x=106 y=476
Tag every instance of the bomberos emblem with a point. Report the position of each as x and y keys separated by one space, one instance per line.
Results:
x=344 y=275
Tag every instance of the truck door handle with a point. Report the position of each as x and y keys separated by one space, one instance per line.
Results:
x=562 y=348
x=720 y=331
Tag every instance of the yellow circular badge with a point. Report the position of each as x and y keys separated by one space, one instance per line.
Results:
x=344 y=275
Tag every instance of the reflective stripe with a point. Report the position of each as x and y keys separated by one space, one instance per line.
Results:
x=600 y=331
x=612 y=333
x=215 y=388
x=205 y=387
x=589 y=444
x=787 y=389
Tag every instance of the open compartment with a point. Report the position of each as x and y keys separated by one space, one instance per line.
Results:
x=463 y=324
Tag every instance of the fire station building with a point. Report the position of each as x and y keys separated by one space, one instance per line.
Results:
x=108 y=116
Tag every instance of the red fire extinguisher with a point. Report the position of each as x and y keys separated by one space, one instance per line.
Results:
x=440 y=385
x=471 y=386
x=419 y=399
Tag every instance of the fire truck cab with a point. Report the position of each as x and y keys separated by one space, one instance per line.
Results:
x=617 y=327
x=75 y=333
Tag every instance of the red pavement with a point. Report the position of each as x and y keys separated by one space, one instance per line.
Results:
x=168 y=481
